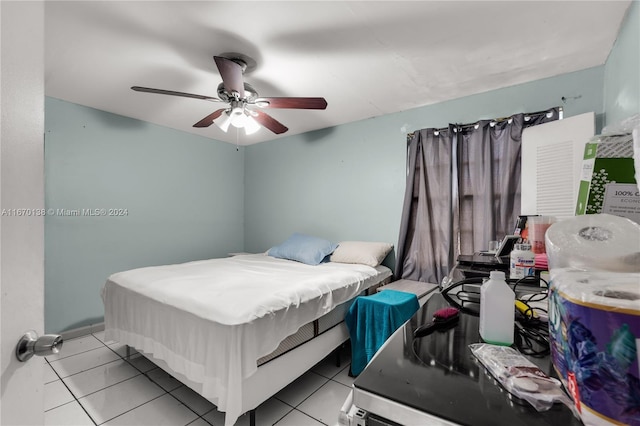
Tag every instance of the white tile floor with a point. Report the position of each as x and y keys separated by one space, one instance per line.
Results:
x=91 y=383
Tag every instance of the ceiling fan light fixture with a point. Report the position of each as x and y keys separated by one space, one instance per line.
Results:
x=238 y=117
x=251 y=126
x=224 y=121
x=262 y=103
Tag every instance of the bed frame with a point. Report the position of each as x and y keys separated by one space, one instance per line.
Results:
x=277 y=373
x=281 y=370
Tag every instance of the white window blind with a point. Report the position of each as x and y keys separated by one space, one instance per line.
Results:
x=551 y=164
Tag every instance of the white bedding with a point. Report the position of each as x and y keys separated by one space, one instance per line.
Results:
x=212 y=320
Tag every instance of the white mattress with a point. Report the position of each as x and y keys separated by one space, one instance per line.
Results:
x=212 y=320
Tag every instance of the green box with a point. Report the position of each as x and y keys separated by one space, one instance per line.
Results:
x=607 y=184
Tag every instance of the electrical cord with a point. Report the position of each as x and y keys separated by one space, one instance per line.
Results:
x=532 y=334
x=532 y=337
x=462 y=296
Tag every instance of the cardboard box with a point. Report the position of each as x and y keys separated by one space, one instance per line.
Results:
x=608 y=184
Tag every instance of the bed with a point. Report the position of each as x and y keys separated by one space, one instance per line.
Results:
x=231 y=328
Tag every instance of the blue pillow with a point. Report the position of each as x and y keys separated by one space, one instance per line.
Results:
x=303 y=248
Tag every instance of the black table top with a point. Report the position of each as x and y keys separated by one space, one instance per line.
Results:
x=486 y=260
x=438 y=374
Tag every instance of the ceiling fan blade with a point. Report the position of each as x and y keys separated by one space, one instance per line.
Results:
x=208 y=120
x=231 y=73
x=294 y=103
x=172 y=93
x=269 y=122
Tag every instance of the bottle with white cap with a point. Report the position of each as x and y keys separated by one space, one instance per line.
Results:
x=497 y=310
x=523 y=261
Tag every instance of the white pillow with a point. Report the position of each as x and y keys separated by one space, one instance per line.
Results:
x=366 y=253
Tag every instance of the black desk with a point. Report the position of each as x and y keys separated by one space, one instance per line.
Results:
x=438 y=375
x=480 y=265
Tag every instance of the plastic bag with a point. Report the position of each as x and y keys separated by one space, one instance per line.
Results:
x=521 y=377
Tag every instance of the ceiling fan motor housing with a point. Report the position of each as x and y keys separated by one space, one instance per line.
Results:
x=250 y=93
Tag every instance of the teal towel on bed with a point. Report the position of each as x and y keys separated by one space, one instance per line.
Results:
x=371 y=320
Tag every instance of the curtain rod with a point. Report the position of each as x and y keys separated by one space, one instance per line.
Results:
x=527 y=117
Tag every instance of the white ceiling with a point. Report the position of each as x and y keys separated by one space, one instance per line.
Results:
x=367 y=58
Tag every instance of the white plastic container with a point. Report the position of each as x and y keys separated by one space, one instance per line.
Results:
x=497 y=310
x=523 y=261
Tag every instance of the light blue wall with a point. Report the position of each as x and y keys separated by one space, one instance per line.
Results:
x=348 y=182
x=183 y=194
x=622 y=70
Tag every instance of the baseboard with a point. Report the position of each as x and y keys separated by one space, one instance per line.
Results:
x=82 y=331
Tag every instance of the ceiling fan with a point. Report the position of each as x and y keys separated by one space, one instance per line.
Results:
x=241 y=98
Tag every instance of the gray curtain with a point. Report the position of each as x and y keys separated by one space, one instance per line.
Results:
x=463 y=190
x=489 y=181
x=424 y=251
